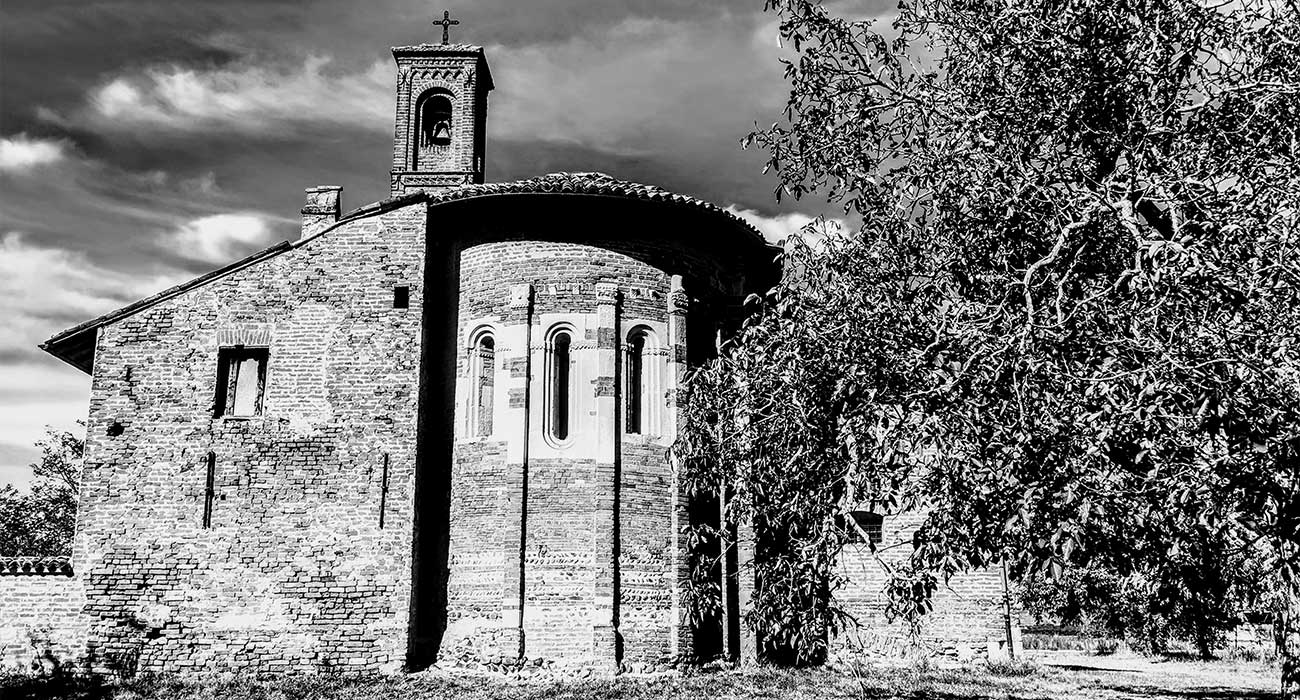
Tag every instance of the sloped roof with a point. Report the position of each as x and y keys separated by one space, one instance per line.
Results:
x=590 y=183
x=76 y=345
x=583 y=183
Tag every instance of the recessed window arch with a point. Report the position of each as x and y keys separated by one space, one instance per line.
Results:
x=640 y=380
x=482 y=382
x=559 y=395
x=435 y=118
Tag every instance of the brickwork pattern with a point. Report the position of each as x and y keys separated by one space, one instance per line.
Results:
x=605 y=496
x=967 y=613
x=294 y=572
x=456 y=72
x=41 y=627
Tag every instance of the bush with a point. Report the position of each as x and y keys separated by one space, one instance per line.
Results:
x=1012 y=668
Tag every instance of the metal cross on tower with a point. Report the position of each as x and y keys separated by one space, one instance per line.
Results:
x=446 y=23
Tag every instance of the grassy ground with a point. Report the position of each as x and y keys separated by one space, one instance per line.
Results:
x=1061 y=678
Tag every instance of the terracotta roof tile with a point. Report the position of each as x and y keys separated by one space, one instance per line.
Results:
x=591 y=183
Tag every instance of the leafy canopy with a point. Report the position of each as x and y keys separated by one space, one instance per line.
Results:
x=1068 y=328
x=40 y=522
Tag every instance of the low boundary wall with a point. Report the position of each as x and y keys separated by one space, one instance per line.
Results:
x=41 y=627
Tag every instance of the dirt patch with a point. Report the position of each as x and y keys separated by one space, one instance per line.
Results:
x=1132 y=676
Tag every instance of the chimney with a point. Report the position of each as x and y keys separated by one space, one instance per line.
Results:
x=321 y=210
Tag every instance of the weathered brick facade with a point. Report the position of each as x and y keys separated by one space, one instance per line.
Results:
x=41 y=625
x=292 y=570
x=968 y=618
x=460 y=73
x=458 y=445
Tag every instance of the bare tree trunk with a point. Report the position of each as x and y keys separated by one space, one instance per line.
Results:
x=1288 y=638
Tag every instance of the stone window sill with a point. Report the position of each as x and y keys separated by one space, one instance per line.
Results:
x=479 y=438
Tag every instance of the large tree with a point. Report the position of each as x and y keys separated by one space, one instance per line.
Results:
x=1068 y=327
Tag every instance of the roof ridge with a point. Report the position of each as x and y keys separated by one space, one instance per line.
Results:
x=585 y=182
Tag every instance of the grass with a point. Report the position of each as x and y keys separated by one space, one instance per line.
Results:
x=972 y=682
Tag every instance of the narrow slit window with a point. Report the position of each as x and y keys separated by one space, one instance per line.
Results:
x=383 y=492
x=635 y=419
x=241 y=381
x=401 y=297
x=484 y=378
x=209 y=489
x=560 y=389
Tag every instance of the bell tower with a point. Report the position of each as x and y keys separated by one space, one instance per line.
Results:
x=441 y=121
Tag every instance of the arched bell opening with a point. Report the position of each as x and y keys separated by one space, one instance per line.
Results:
x=433 y=125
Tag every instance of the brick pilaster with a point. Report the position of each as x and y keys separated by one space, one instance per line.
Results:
x=605 y=513
x=515 y=368
x=680 y=641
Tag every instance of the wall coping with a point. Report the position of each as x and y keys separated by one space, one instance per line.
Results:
x=35 y=566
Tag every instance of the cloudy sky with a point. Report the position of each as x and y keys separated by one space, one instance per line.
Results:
x=144 y=142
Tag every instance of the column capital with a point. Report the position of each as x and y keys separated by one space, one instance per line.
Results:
x=679 y=301
x=521 y=295
x=607 y=293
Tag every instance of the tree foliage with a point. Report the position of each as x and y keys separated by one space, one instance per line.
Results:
x=1068 y=328
x=1197 y=596
x=40 y=522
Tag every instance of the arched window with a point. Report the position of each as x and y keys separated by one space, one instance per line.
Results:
x=559 y=390
x=483 y=367
x=435 y=120
x=635 y=374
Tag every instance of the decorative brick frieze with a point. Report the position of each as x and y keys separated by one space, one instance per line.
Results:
x=459 y=76
x=35 y=566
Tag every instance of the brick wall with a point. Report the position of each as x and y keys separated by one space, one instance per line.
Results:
x=494 y=547
x=541 y=591
x=40 y=623
x=967 y=612
x=523 y=547
x=294 y=572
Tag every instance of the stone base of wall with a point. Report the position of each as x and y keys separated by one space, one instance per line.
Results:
x=895 y=642
x=41 y=627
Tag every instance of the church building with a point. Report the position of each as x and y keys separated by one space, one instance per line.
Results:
x=434 y=427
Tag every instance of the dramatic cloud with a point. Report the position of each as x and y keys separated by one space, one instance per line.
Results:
x=243 y=99
x=44 y=286
x=42 y=291
x=780 y=227
x=21 y=154
x=146 y=142
x=636 y=87
x=220 y=238
x=643 y=86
